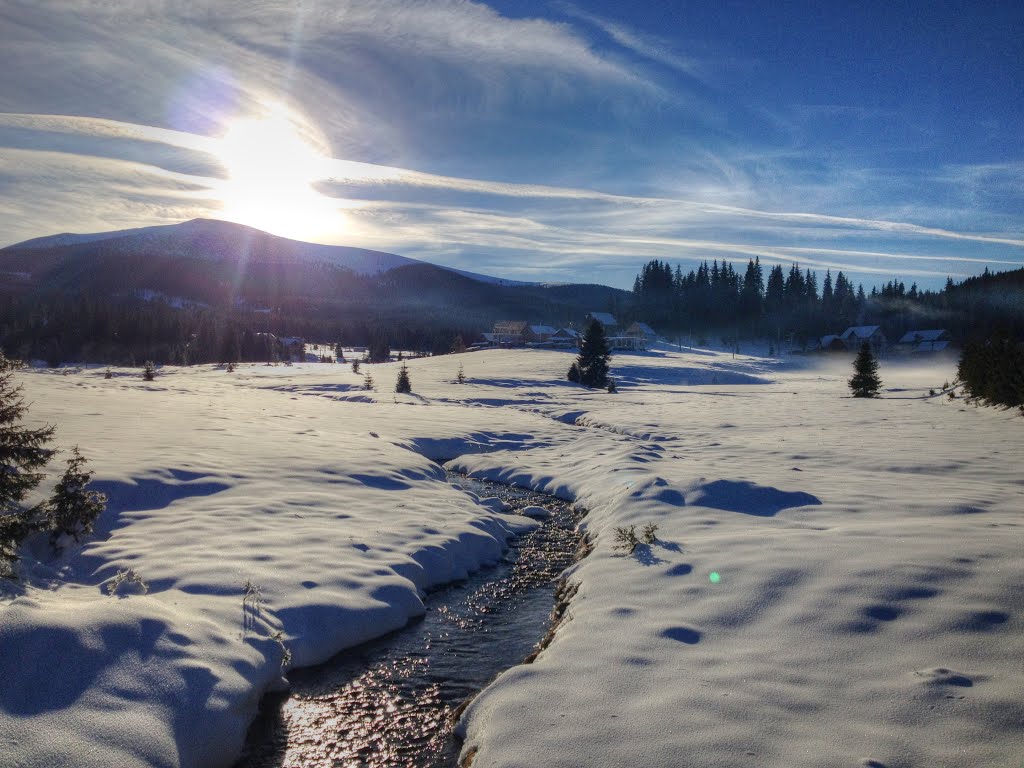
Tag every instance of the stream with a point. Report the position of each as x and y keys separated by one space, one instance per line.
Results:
x=390 y=703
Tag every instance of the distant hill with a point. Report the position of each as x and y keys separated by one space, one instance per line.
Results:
x=202 y=238
x=56 y=289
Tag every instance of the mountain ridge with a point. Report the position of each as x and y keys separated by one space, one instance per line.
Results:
x=225 y=239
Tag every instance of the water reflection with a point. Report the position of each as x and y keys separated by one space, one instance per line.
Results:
x=389 y=703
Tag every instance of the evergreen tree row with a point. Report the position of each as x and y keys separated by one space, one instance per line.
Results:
x=794 y=304
x=126 y=331
x=718 y=297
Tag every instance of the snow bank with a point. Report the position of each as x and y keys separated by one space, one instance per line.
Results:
x=258 y=522
x=834 y=581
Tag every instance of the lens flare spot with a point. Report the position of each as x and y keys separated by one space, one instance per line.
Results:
x=714 y=577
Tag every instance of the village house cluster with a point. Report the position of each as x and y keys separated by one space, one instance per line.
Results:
x=520 y=333
x=911 y=342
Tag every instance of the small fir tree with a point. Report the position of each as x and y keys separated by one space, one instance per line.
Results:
x=594 y=357
x=22 y=452
x=403 y=384
x=865 y=381
x=73 y=509
x=148 y=371
x=368 y=382
x=339 y=353
x=355 y=365
x=460 y=377
x=458 y=345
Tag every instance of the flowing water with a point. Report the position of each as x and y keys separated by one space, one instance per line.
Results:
x=390 y=703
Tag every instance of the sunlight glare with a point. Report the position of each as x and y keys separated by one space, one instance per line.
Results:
x=272 y=163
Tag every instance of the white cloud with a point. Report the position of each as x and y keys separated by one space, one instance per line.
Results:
x=648 y=46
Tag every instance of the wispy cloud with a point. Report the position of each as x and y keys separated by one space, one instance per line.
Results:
x=647 y=46
x=413 y=178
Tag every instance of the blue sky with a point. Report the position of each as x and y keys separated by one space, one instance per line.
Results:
x=553 y=141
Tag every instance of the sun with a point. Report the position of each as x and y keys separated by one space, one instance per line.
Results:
x=272 y=163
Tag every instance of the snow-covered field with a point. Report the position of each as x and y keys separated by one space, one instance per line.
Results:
x=837 y=582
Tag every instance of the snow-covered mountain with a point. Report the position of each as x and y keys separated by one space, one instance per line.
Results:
x=223 y=239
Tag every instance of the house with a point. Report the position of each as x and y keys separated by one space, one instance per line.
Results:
x=831 y=343
x=539 y=334
x=634 y=343
x=608 y=321
x=642 y=330
x=924 y=341
x=565 y=338
x=510 y=332
x=856 y=335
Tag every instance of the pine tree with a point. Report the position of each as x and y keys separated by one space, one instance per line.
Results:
x=460 y=377
x=73 y=509
x=403 y=384
x=355 y=365
x=594 y=357
x=378 y=350
x=22 y=451
x=865 y=381
x=368 y=382
x=148 y=371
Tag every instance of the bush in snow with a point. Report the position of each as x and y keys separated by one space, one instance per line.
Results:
x=148 y=371
x=625 y=539
x=73 y=509
x=252 y=596
x=127 y=582
x=403 y=384
x=355 y=365
x=650 y=533
x=286 y=654
x=574 y=373
x=108 y=374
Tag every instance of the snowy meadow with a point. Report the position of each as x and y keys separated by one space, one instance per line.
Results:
x=834 y=581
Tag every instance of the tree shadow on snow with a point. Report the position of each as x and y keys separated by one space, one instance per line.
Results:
x=628 y=373
x=645 y=555
x=749 y=498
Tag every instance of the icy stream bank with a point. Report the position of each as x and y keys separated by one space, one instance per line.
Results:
x=391 y=702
